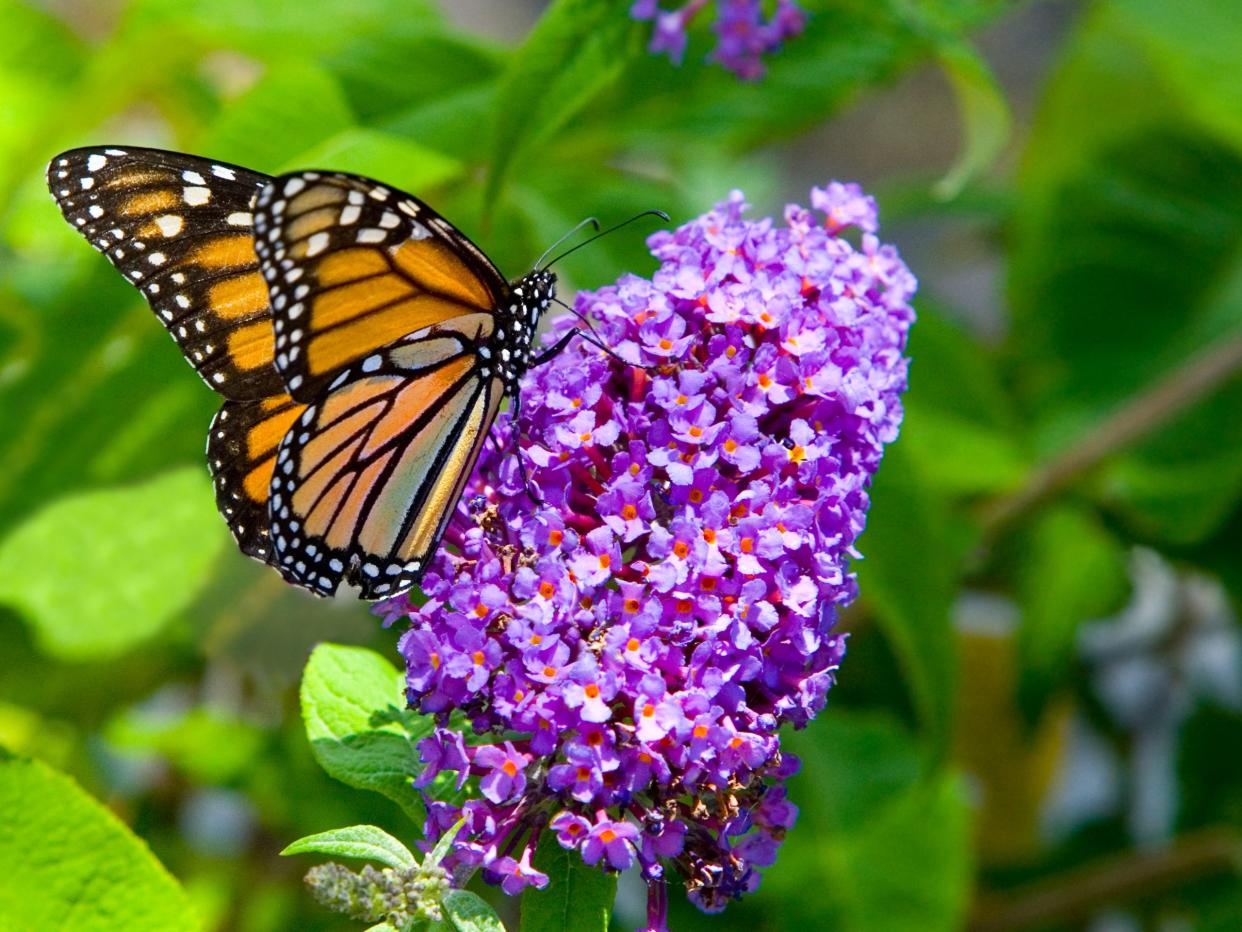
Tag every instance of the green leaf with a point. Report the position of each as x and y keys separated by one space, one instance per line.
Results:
x=1072 y=570
x=292 y=109
x=99 y=572
x=364 y=842
x=880 y=843
x=984 y=114
x=380 y=155
x=1127 y=208
x=908 y=576
x=1195 y=45
x=441 y=850
x=66 y=862
x=469 y=913
x=577 y=49
x=578 y=897
x=353 y=706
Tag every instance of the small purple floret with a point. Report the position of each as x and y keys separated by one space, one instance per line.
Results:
x=743 y=34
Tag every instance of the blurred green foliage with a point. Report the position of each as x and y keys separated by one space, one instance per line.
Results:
x=1079 y=450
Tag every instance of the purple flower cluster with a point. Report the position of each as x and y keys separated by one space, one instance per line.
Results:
x=634 y=643
x=743 y=35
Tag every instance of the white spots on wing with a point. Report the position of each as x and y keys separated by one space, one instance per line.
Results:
x=217 y=377
x=178 y=278
x=379 y=192
x=350 y=214
x=156 y=258
x=96 y=211
x=96 y=162
x=193 y=177
x=390 y=220
x=182 y=301
x=226 y=173
x=371 y=235
x=118 y=233
x=418 y=231
x=153 y=288
x=240 y=218
x=317 y=243
x=114 y=152
x=295 y=383
x=87 y=183
x=169 y=224
x=196 y=197
x=408 y=207
x=371 y=363
x=200 y=325
x=293 y=186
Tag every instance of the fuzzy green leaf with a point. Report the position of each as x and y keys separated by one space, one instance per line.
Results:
x=469 y=913
x=353 y=706
x=364 y=842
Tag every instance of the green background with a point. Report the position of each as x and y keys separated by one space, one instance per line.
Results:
x=1039 y=723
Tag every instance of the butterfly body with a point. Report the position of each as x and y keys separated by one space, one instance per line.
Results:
x=362 y=343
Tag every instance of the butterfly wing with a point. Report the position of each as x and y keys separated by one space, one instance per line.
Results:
x=241 y=454
x=368 y=477
x=354 y=266
x=181 y=228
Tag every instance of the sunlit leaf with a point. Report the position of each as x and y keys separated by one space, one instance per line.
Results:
x=468 y=912
x=97 y=573
x=67 y=862
x=365 y=842
x=353 y=705
x=577 y=49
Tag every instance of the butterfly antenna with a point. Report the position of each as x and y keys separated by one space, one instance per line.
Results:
x=596 y=338
x=646 y=213
x=589 y=221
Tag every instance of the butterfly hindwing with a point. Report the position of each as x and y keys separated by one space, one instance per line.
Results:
x=241 y=454
x=368 y=477
x=181 y=229
x=354 y=266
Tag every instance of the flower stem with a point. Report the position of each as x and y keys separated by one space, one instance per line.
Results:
x=1074 y=896
x=1179 y=390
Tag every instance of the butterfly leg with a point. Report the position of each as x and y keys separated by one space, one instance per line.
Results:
x=591 y=338
x=516 y=432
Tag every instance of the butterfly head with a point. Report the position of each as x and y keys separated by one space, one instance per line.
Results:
x=513 y=338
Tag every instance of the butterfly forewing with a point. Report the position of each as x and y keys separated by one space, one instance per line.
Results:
x=181 y=229
x=368 y=477
x=353 y=266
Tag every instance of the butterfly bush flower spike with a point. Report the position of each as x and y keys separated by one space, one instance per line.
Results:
x=743 y=34
x=632 y=646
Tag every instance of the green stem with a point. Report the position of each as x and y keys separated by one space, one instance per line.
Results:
x=1181 y=389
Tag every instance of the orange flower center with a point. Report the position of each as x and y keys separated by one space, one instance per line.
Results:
x=555 y=537
x=629 y=512
x=747 y=544
x=666 y=344
x=605 y=561
x=730 y=445
x=591 y=691
x=481 y=610
x=509 y=768
x=631 y=606
x=549 y=671
x=546 y=589
x=700 y=731
x=648 y=710
x=435 y=660
x=765 y=380
x=478 y=658
x=709 y=535
x=607 y=835
x=681 y=548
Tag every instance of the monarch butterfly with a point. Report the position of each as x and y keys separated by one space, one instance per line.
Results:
x=362 y=343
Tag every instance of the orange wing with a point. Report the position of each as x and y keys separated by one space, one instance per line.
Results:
x=241 y=453
x=181 y=228
x=368 y=477
x=353 y=267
